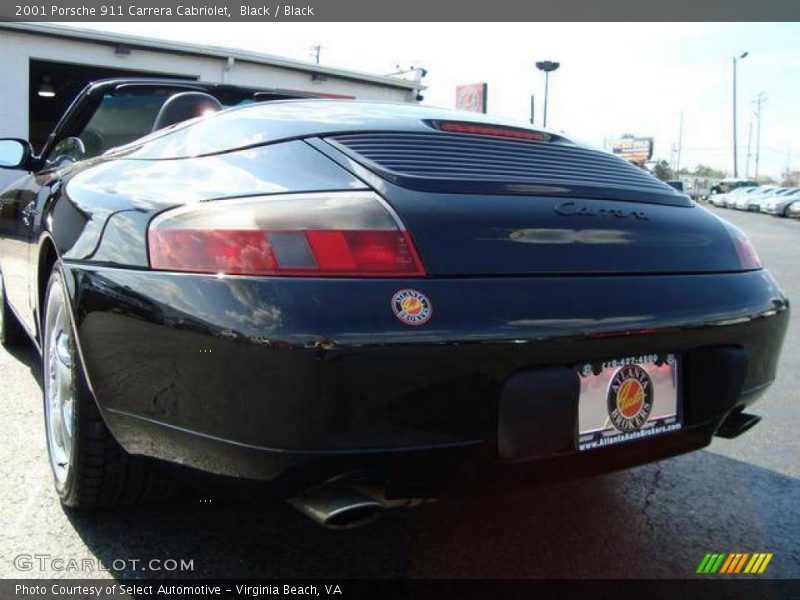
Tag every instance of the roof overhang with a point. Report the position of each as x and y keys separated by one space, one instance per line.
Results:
x=114 y=39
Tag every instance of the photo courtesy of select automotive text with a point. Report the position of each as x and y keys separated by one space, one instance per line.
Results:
x=399 y=301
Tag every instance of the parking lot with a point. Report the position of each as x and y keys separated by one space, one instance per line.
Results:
x=655 y=521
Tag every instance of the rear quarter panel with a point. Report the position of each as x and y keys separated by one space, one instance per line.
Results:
x=104 y=214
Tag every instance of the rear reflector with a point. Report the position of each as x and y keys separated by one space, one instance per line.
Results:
x=347 y=234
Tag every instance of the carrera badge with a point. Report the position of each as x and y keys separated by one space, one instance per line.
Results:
x=630 y=398
x=412 y=307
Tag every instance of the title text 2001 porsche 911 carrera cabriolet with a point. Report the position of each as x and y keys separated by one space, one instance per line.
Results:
x=352 y=301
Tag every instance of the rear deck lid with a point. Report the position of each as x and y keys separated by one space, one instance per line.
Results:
x=482 y=206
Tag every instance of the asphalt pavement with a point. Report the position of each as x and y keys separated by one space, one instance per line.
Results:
x=740 y=495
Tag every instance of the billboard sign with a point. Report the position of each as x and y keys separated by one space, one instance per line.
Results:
x=634 y=149
x=471 y=97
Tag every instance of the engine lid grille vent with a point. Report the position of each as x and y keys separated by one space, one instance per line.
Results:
x=473 y=163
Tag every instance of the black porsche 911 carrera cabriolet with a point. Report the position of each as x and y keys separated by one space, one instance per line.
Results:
x=353 y=303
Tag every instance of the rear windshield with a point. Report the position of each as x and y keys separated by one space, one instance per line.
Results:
x=120 y=119
x=123 y=117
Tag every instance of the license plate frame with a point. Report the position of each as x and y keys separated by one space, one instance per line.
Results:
x=628 y=399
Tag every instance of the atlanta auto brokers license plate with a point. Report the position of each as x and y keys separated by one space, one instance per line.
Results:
x=627 y=399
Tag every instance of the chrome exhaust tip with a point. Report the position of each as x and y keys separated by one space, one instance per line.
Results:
x=338 y=506
x=736 y=424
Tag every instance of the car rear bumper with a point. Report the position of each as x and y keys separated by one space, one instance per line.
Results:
x=303 y=380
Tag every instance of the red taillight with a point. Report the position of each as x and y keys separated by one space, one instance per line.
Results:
x=493 y=131
x=748 y=255
x=347 y=234
x=745 y=250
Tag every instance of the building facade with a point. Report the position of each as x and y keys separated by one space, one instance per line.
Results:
x=43 y=67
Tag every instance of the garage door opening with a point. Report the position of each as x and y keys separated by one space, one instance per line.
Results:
x=54 y=85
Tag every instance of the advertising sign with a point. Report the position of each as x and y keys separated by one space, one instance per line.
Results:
x=635 y=149
x=471 y=97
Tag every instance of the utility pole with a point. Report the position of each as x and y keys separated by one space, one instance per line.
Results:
x=758 y=101
x=673 y=152
x=533 y=106
x=315 y=52
x=680 y=146
x=735 y=59
x=749 y=154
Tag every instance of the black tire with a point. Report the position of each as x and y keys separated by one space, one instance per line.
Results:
x=100 y=473
x=11 y=331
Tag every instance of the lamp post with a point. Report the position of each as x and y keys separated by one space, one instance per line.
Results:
x=736 y=60
x=547 y=66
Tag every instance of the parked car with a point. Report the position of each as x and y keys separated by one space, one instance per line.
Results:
x=717 y=200
x=749 y=198
x=351 y=303
x=757 y=198
x=727 y=199
x=729 y=184
x=778 y=203
x=793 y=210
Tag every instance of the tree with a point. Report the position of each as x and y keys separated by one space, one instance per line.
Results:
x=662 y=170
x=708 y=172
x=791 y=179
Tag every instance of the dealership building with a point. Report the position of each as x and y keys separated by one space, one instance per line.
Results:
x=44 y=66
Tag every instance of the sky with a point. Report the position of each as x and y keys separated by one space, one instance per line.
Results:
x=614 y=78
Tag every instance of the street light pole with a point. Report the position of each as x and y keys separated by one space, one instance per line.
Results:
x=547 y=66
x=546 y=94
x=735 y=158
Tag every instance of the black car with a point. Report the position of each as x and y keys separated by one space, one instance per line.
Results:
x=352 y=303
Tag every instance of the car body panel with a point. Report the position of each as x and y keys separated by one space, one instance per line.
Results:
x=258 y=376
x=283 y=364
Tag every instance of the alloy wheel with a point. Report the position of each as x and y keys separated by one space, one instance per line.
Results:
x=2 y=304
x=59 y=383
